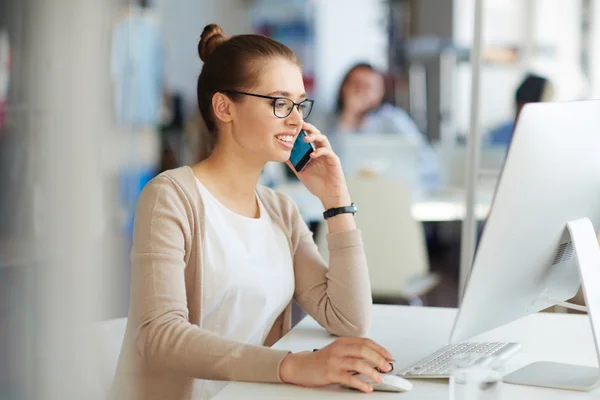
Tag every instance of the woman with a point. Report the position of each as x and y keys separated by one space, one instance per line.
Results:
x=218 y=259
x=360 y=110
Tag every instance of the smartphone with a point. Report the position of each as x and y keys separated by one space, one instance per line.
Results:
x=301 y=151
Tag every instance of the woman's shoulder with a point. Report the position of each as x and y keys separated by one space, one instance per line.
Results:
x=393 y=119
x=175 y=185
x=181 y=176
x=390 y=110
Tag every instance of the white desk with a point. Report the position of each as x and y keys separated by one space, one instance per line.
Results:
x=445 y=205
x=449 y=205
x=411 y=333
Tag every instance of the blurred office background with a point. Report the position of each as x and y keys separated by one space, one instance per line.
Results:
x=97 y=97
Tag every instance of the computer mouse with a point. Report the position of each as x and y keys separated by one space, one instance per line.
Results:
x=391 y=383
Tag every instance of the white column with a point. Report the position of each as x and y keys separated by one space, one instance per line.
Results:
x=595 y=49
x=347 y=32
x=70 y=116
x=469 y=228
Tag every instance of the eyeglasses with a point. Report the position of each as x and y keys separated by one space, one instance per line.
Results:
x=282 y=106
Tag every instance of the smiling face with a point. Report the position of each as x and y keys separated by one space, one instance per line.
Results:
x=255 y=130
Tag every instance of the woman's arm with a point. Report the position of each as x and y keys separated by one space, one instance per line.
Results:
x=165 y=337
x=338 y=296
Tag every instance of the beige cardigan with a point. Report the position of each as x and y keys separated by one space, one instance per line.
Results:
x=165 y=346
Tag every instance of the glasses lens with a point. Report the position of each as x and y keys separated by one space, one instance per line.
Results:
x=305 y=108
x=282 y=107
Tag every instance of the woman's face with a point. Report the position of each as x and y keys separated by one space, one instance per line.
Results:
x=363 y=90
x=255 y=126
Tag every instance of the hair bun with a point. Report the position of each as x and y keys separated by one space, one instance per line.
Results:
x=212 y=36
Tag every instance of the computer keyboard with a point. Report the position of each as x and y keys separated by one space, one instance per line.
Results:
x=439 y=364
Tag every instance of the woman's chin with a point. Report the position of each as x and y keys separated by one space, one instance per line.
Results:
x=281 y=156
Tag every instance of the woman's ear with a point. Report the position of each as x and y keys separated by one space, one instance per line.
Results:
x=223 y=107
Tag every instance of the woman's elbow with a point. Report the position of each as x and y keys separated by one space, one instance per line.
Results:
x=358 y=327
x=155 y=337
x=144 y=338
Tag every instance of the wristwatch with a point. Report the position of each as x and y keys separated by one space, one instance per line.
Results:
x=332 y=212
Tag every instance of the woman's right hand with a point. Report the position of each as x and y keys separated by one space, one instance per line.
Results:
x=337 y=363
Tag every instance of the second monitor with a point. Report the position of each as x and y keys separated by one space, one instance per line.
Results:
x=388 y=155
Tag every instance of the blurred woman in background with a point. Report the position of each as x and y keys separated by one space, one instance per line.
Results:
x=360 y=109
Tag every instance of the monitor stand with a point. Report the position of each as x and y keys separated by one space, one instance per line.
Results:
x=568 y=376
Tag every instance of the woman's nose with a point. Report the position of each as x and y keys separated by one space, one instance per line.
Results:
x=295 y=116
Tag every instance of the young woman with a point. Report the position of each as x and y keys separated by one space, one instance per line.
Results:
x=217 y=259
x=360 y=109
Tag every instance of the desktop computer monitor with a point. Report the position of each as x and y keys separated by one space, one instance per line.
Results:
x=389 y=155
x=525 y=261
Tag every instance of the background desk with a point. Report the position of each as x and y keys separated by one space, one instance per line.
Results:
x=441 y=206
x=411 y=333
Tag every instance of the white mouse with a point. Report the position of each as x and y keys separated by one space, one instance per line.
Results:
x=391 y=383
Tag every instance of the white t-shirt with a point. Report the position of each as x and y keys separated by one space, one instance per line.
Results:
x=248 y=277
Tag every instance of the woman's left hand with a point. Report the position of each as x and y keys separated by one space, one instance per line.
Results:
x=323 y=175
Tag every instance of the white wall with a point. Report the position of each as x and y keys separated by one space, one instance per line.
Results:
x=558 y=24
x=182 y=22
x=595 y=50
x=528 y=25
x=347 y=31
x=504 y=25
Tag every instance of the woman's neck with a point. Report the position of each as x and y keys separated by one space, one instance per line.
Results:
x=232 y=179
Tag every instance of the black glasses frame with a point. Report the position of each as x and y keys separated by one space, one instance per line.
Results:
x=274 y=98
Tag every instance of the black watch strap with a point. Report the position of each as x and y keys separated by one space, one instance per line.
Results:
x=332 y=212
